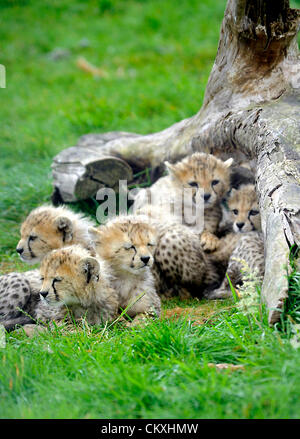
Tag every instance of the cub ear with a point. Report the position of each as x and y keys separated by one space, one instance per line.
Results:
x=95 y=234
x=172 y=170
x=90 y=268
x=228 y=162
x=65 y=226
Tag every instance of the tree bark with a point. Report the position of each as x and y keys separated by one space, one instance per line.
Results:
x=250 y=110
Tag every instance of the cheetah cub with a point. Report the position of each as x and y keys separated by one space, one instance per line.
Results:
x=198 y=172
x=245 y=243
x=72 y=276
x=46 y=228
x=243 y=206
x=127 y=244
x=74 y=284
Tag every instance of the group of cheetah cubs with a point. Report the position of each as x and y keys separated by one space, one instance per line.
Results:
x=133 y=261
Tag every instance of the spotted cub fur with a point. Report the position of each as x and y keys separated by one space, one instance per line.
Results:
x=46 y=228
x=127 y=244
x=198 y=172
x=181 y=266
x=245 y=243
x=19 y=294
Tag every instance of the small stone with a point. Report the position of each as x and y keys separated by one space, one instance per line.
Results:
x=220 y=366
x=84 y=42
x=58 y=53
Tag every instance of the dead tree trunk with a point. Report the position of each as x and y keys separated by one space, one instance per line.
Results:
x=251 y=109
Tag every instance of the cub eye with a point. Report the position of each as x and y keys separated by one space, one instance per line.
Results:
x=235 y=211
x=57 y=279
x=193 y=183
x=32 y=238
x=42 y=279
x=253 y=212
x=214 y=182
x=129 y=247
x=150 y=244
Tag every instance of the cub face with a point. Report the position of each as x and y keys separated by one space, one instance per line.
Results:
x=127 y=243
x=244 y=210
x=66 y=274
x=203 y=172
x=41 y=232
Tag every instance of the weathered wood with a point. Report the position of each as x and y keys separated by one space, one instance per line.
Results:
x=79 y=171
x=251 y=109
x=273 y=137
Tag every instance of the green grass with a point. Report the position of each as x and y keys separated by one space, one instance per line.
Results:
x=291 y=311
x=157 y=56
x=160 y=371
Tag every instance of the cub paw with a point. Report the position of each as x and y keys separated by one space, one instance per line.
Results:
x=209 y=241
x=221 y=293
x=184 y=294
x=140 y=320
x=32 y=329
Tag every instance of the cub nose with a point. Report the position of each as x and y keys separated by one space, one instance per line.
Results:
x=206 y=197
x=44 y=293
x=19 y=250
x=240 y=225
x=145 y=259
